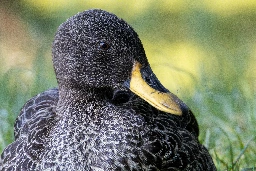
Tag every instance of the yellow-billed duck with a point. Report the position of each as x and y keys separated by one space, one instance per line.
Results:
x=109 y=111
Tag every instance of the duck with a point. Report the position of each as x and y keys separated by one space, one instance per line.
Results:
x=109 y=111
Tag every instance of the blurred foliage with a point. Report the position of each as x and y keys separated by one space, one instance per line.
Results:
x=208 y=49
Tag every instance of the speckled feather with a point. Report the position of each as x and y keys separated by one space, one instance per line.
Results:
x=85 y=124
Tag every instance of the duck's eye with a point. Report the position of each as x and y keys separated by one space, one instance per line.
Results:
x=104 y=45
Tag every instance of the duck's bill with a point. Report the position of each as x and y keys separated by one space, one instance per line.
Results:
x=145 y=84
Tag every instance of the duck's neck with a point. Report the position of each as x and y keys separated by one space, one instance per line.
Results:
x=85 y=94
x=76 y=103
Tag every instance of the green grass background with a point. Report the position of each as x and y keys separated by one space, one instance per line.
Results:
x=204 y=51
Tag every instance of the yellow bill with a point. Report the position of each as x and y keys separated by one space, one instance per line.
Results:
x=162 y=100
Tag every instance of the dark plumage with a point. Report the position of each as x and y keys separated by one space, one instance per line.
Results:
x=93 y=121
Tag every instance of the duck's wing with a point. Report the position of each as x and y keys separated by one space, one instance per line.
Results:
x=30 y=110
x=180 y=148
x=172 y=141
x=32 y=127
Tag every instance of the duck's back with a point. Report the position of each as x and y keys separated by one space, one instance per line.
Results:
x=36 y=107
x=32 y=126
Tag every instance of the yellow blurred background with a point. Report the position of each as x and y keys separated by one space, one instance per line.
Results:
x=178 y=35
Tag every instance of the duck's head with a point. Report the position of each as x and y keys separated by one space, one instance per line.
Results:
x=97 y=49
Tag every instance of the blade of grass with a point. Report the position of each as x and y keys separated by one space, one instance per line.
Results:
x=243 y=151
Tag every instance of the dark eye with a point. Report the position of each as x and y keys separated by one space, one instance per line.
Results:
x=104 y=46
